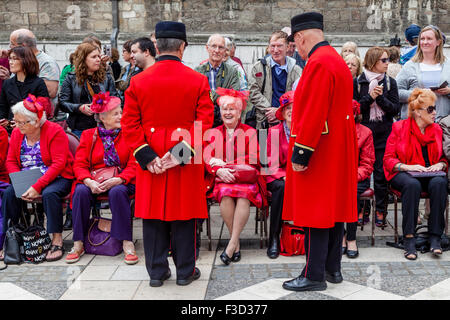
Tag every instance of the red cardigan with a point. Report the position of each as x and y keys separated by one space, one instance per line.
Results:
x=3 y=151
x=397 y=144
x=55 y=154
x=277 y=172
x=82 y=166
x=366 y=154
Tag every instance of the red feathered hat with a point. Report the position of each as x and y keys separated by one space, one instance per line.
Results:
x=356 y=109
x=103 y=102
x=34 y=105
x=240 y=95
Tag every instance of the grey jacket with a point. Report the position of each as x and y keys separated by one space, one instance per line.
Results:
x=410 y=77
x=255 y=82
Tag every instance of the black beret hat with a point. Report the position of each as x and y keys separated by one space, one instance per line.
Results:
x=307 y=20
x=171 y=29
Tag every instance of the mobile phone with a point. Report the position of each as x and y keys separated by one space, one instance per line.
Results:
x=107 y=50
x=443 y=85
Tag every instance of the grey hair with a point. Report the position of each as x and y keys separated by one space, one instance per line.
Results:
x=168 y=44
x=213 y=36
x=26 y=40
x=228 y=43
x=19 y=108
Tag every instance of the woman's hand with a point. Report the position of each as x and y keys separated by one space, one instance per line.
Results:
x=436 y=167
x=414 y=167
x=86 y=109
x=30 y=194
x=4 y=123
x=443 y=91
x=94 y=186
x=377 y=91
x=226 y=175
x=216 y=162
x=111 y=182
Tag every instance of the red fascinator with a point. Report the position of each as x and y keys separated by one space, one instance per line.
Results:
x=103 y=102
x=240 y=95
x=356 y=109
x=285 y=99
x=33 y=105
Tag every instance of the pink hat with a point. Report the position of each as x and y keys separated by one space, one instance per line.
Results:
x=356 y=109
x=103 y=102
x=285 y=99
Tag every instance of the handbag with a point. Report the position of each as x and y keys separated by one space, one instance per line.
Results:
x=13 y=245
x=98 y=239
x=292 y=240
x=101 y=174
x=243 y=173
x=36 y=243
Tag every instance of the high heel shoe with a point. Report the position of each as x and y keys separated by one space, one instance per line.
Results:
x=225 y=258
x=236 y=256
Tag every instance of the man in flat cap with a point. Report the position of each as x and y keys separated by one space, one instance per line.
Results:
x=161 y=106
x=321 y=180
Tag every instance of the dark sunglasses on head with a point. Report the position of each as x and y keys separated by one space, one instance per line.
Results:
x=384 y=60
x=430 y=109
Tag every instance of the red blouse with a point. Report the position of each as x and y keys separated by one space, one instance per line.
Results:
x=3 y=152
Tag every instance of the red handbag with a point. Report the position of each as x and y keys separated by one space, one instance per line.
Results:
x=243 y=173
x=104 y=173
x=292 y=242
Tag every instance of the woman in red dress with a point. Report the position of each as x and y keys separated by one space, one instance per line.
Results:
x=233 y=143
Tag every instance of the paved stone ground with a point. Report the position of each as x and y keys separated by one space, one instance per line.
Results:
x=380 y=272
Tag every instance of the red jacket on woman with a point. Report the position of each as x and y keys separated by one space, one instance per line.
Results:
x=366 y=157
x=55 y=154
x=82 y=164
x=400 y=141
x=3 y=151
x=280 y=157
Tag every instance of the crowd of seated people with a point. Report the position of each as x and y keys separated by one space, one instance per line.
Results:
x=394 y=152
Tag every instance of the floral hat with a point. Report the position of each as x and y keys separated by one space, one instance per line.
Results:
x=239 y=95
x=103 y=102
x=285 y=100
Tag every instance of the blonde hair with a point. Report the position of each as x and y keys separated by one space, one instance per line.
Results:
x=372 y=56
x=352 y=45
x=351 y=56
x=418 y=99
x=439 y=53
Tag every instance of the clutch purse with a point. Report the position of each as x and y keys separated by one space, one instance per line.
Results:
x=101 y=174
x=243 y=173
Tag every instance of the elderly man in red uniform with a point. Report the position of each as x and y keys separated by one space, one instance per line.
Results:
x=161 y=106
x=321 y=182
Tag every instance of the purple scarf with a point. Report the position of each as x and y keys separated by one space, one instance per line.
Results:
x=110 y=156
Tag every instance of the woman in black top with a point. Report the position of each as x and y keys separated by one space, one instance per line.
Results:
x=378 y=95
x=77 y=90
x=24 y=64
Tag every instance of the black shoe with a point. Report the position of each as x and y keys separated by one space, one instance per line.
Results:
x=273 y=251
x=185 y=282
x=352 y=254
x=304 y=284
x=334 y=277
x=159 y=282
x=344 y=250
x=236 y=256
x=68 y=222
x=225 y=258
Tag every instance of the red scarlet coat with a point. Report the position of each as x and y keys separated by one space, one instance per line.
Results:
x=3 y=152
x=400 y=140
x=160 y=100
x=279 y=155
x=366 y=157
x=323 y=138
x=82 y=164
x=55 y=154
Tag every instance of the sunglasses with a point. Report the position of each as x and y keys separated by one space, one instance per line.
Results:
x=429 y=109
x=384 y=60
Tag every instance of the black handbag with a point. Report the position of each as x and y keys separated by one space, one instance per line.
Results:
x=13 y=246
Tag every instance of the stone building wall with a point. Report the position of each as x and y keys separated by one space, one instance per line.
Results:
x=59 y=25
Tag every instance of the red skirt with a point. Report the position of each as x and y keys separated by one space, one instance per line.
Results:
x=238 y=190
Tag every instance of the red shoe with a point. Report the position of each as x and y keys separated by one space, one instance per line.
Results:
x=74 y=256
x=131 y=258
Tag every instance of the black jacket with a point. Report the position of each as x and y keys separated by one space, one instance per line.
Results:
x=388 y=102
x=70 y=100
x=14 y=91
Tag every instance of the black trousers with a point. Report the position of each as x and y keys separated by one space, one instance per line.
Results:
x=410 y=188
x=276 y=208
x=379 y=181
x=51 y=200
x=159 y=236
x=351 y=227
x=323 y=251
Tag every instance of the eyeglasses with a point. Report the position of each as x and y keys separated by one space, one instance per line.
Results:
x=216 y=47
x=429 y=109
x=384 y=60
x=22 y=123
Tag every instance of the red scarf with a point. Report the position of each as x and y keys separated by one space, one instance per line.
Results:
x=417 y=140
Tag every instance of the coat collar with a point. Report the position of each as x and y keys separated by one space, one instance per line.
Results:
x=167 y=57
x=317 y=46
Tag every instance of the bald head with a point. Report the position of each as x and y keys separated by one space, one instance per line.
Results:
x=305 y=40
x=22 y=37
